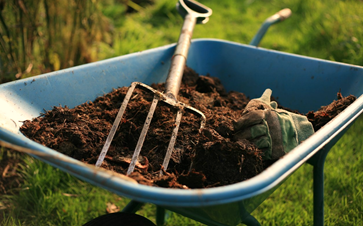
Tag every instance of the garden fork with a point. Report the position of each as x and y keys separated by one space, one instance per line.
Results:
x=193 y=12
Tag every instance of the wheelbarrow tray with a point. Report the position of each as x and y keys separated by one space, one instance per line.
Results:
x=299 y=82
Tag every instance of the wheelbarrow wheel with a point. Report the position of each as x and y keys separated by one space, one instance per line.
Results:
x=120 y=219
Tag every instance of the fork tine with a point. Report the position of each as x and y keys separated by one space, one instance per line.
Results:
x=158 y=96
x=116 y=124
x=172 y=141
x=141 y=140
x=198 y=113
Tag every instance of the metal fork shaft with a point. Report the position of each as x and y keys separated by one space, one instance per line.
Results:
x=173 y=81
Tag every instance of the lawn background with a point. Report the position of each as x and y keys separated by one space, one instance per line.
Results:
x=324 y=29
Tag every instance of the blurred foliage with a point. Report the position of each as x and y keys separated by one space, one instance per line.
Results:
x=39 y=36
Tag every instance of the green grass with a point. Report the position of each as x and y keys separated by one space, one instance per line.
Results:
x=326 y=29
x=291 y=203
x=52 y=197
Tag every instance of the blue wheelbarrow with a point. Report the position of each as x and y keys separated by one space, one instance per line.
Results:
x=241 y=68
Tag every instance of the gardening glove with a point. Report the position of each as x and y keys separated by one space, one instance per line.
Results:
x=274 y=131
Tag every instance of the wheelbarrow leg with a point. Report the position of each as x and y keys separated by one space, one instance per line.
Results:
x=318 y=186
x=160 y=215
x=251 y=221
x=132 y=207
x=247 y=218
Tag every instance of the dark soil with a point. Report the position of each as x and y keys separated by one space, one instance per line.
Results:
x=199 y=160
x=327 y=113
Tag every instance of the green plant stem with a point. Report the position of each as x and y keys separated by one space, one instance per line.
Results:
x=32 y=17
x=2 y=43
x=8 y=36
x=73 y=30
x=49 y=41
x=22 y=38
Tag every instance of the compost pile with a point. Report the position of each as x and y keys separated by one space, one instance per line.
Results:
x=199 y=160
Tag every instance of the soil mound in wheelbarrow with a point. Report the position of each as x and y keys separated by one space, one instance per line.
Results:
x=199 y=160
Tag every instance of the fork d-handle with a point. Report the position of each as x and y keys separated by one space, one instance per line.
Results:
x=193 y=13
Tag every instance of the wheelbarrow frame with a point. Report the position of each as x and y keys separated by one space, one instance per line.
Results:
x=24 y=99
